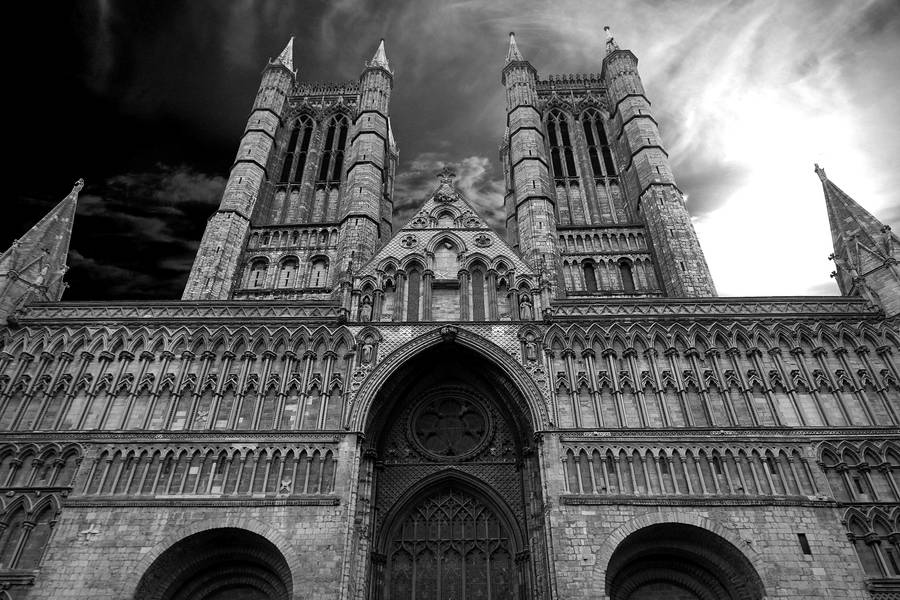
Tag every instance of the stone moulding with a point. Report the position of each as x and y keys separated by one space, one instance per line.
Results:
x=248 y=311
x=772 y=307
x=254 y=311
x=718 y=500
x=798 y=434
x=231 y=438
x=204 y=502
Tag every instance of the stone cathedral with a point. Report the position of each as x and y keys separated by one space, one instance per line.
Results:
x=337 y=410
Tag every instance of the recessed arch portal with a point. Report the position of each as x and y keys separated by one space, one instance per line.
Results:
x=678 y=560
x=451 y=475
x=218 y=564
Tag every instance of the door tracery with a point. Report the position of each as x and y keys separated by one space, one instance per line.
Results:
x=450 y=546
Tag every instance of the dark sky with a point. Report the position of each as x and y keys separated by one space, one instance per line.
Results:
x=147 y=100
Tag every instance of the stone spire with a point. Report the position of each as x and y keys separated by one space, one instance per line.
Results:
x=380 y=58
x=611 y=45
x=513 y=53
x=866 y=252
x=849 y=220
x=286 y=57
x=33 y=267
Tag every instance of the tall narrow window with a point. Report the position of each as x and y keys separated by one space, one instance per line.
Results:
x=333 y=152
x=412 y=285
x=289 y=156
x=598 y=143
x=306 y=126
x=627 y=276
x=318 y=276
x=258 y=270
x=477 y=294
x=560 y=146
x=590 y=278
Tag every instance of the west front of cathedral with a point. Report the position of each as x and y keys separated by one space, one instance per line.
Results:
x=338 y=410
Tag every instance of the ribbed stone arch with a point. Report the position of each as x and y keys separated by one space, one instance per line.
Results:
x=535 y=408
x=669 y=517
x=269 y=532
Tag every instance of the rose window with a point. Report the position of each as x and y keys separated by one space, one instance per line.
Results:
x=450 y=427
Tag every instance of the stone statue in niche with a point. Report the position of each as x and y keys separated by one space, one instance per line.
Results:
x=530 y=348
x=367 y=352
x=525 y=311
x=365 y=310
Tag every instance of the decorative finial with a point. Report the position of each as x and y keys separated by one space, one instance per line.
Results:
x=611 y=45
x=446 y=175
x=821 y=173
x=513 y=53
x=77 y=187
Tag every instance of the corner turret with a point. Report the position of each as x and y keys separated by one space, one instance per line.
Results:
x=652 y=192
x=530 y=212
x=216 y=265
x=367 y=209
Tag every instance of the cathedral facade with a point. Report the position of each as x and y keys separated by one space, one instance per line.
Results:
x=337 y=410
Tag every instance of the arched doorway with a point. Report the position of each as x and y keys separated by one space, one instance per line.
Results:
x=678 y=561
x=450 y=484
x=218 y=564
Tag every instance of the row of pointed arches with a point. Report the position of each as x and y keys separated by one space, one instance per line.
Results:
x=227 y=379
x=868 y=472
x=874 y=533
x=736 y=375
x=211 y=471
x=776 y=472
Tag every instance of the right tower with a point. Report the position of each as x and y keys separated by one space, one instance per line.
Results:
x=590 y=193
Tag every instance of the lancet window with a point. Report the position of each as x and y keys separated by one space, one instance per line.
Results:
x=560 y=146
x=597 y=144
x=333 y=152
x=297 y=150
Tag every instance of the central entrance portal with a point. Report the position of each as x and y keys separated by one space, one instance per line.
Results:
x=455 y=484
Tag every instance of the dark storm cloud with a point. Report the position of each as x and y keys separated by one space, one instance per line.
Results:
x=748 y=93
x=144 y=228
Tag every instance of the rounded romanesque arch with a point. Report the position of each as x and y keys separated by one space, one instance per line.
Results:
x=269 y=561
x=521 y=383
x=669 y=555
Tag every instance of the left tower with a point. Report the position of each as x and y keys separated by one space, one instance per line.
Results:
x=289 y=210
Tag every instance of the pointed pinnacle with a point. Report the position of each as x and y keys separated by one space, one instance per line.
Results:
x=380 y=58
x=287 y=55
x=821 y=173
x=513 y=52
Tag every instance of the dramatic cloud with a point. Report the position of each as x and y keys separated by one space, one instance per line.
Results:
x=748 y=94
x=145 y=231
x=474 y=178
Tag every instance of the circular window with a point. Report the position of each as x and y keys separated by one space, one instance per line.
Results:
x=450 y=426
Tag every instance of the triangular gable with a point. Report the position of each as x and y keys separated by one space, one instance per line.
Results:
x=446 y=215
